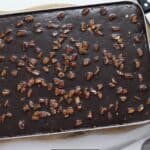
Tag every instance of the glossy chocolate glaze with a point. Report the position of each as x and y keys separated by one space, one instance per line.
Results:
x=57 y=122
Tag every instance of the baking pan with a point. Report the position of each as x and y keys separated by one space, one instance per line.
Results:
x=114 y=125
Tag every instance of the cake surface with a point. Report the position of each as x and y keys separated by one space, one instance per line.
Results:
x=75 y=68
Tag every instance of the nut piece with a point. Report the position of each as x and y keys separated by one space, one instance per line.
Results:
x=140 y=108
x=21 y=124
x=85 y=11
x=36 y=72
x=61 y=16
x=2 y=44
x=53 y=103
x=26 y=108
x=32 y=61
x=28 y=19
x=140 y=52
x=14 y=73
x=123 y=98
x=19 y=23
x=60 y=83
x=97 y=71
x=31 y=82
x=137 y=38
x=61 y=74
x=2 y=58
x=120 y=73
x=93 y=91
x=8 y=31
x=121 y=90
x=100 y=95
x=50 y=86
x=137 y=63
x=40 y=114
x=143 y=87
x=2 y=118
x=39 y=30
x=21 y=87
x=90 y=115
x=100 y=86
x=112 y=17
x=29 y=93
x=115 y=28
x=89 y=75
x=45 y=69
x=8 y=114
x=77 y=100
x=3 y=73
x=46 y=60
x=21 y=33
x=87 y=94
x=59 y=92
x=78 y=122
x=137 y=98
x=131 y=110
x=8 y=39
x=96 y=47
x=67 y=112
x=86 y=61
x=128 y=75
x=6 y=103
x=5 y=92
x=71 y=75
x=134 y=18
x=82 y=47
x=37 y=24
x=103 y=11
x=111 y=85
x=83 y=26
x=140 y=77
x=52 y=25
x=103 y=110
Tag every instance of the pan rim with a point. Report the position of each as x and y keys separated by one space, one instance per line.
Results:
x=82 y=129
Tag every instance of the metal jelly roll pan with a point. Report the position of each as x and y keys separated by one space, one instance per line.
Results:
x=73 y=69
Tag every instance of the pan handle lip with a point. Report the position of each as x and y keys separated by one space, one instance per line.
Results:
x=145 y=142
x=145 y=5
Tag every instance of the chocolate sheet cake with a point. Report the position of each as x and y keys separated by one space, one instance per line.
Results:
x=73 y=68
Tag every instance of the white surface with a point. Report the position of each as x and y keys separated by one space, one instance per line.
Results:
x=105 y=139
x=21 y=4
x=18 y=4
